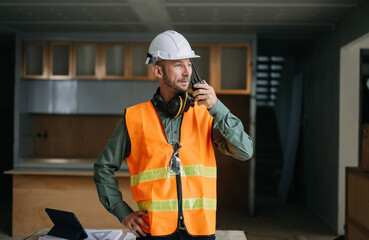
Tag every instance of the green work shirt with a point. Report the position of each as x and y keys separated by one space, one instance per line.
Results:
x=228 y=136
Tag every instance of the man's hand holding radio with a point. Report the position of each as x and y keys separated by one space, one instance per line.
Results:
x=205 y=94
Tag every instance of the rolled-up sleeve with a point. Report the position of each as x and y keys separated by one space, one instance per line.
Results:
x=228 y=133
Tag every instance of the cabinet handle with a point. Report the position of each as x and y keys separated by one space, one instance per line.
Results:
x=44 y=135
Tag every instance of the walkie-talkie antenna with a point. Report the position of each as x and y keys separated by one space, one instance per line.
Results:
x=197 y=78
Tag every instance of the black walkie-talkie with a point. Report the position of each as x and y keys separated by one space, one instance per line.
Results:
x=197 y=78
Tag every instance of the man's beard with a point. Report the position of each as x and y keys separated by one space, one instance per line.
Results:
x=172 y=84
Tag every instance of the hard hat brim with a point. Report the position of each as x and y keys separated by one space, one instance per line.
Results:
x=150 y=60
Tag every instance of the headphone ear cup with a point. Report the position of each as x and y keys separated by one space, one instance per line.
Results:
x=163 y=105
x=174 y=106
x=189 y=102
x=180 y=104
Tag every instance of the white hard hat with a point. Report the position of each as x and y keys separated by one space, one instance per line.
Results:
x=169 y=45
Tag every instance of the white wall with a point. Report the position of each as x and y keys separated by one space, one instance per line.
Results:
x=349 y=114
x=331 y=115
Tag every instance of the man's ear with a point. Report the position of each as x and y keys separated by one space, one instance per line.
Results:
x=158 y=71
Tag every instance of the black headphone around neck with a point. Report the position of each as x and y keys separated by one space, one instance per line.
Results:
x=180 y=104
x=177 y=105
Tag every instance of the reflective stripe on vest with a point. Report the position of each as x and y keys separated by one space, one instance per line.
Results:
x=154 y=188
x=172 y=205
x=186 y=171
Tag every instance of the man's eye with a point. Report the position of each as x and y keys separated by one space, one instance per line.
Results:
x=177 y=65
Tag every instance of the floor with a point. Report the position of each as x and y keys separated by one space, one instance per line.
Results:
x=272 y=221
x=276 y=221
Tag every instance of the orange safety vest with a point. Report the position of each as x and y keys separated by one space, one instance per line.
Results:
x=154 y=188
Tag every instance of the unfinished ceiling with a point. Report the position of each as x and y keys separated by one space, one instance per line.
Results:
x=289 y=18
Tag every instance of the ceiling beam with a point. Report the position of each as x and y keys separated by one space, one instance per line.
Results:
x=72 y=22
x=256 y=23
x=263 y=5
x=213 y=23
x=6 y=28
x=62 y=4
x=159 y=4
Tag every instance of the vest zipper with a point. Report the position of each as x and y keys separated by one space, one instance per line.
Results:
x=181 y=224
x=180 y=210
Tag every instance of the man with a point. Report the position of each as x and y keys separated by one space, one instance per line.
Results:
x=169 y=150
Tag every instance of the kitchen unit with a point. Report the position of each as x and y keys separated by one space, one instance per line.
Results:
x=70 y=94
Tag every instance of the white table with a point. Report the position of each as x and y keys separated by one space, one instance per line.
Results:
x=220 y=234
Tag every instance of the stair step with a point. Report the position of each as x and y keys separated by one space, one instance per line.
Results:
x=273 y=157
x=268 y=152
x=268 y=143
x=272 y=162
x=267 y=146
x=267 y=134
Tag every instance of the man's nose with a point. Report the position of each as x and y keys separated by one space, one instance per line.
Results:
x=187 y=70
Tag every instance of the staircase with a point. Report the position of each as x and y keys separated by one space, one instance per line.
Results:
x=268 y=152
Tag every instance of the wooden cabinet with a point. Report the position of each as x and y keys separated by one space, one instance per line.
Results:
x=203 y=63
x=114 y=56
x=69 y=136
x=35 y=60
x=61 y=61
x=85 y=60
x=125 y=61
x=357 y=204
x=68 y=190
x=235 y=70
x=225 y=66
x=138 y=54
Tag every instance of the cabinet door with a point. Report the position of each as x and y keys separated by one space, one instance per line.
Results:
x=35 y=60
x=235 y=62
x=61 y=60
x=202 y=64
x=114 y=55
x=138 y=68
x=86 y=60
x=226 y=66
